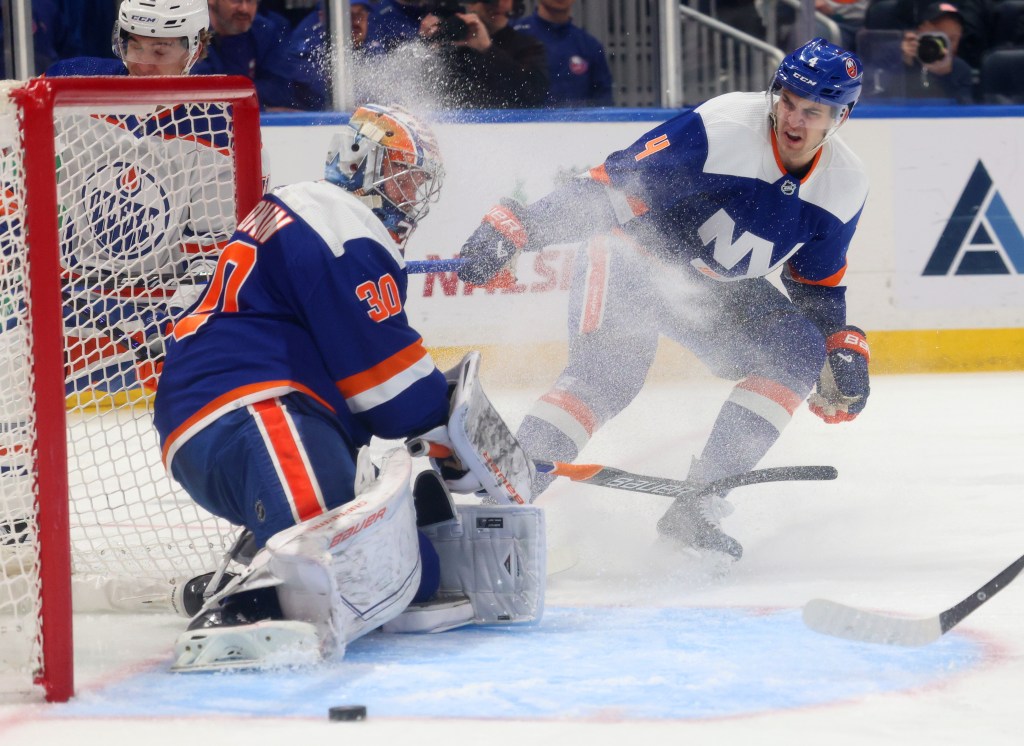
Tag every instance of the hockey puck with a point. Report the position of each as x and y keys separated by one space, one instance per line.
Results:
x=347 y=713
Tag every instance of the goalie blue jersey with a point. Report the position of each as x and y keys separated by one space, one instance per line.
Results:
x=308 y=296
x=708 y=189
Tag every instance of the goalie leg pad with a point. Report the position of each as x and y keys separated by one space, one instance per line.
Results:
x=495 y=556
x=357 y=566
x=342 y=574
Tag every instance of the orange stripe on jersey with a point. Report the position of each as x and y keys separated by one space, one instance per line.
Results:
x=223 y=401
x=600 y=174
x=637 y=205
x=382 y=371
x=204 y=248
x=782 y=168
x=287 y=453
x=574 y=407
x=117 y=121
x=830 y=281
x=595 y=286
x=772 y=390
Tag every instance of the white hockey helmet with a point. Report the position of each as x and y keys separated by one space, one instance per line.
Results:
x=164 y=19
x=390 y=160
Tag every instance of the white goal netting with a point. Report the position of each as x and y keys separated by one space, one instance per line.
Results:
x=146 y=193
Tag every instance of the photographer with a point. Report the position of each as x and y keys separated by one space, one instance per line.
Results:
x=927 y=66
x=483 y=62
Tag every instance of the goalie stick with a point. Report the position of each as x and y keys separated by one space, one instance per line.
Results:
x=608 y=476
x=847 y=622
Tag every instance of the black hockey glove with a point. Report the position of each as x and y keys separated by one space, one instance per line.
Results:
x=843 y=388
x=501 y=236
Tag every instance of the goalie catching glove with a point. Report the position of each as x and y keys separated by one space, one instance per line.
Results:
x=843 y=389
x=502 y=234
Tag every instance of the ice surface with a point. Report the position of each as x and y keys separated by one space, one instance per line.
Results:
x=638 y=646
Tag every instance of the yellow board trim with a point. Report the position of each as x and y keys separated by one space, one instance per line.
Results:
x=538 y=364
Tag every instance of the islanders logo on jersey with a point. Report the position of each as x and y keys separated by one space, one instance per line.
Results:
x=578 y=65
x=121 y=214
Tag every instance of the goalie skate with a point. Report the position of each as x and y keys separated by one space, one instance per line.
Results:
x=273 y=643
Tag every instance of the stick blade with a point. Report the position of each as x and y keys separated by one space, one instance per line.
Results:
x=849 y=623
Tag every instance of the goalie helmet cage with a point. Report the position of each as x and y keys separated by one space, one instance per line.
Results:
x=94 y=165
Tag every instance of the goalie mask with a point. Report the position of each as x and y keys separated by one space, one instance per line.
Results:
x=390 y=160
x=184 y=21
x=823 y=73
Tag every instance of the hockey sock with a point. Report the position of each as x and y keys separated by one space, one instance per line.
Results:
x=748 y=425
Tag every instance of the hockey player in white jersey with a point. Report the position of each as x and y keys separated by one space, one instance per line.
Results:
x=684 y=225
x=298 y=352
x=147 y=201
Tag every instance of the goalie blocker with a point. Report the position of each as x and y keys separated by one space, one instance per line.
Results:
x=478 y=453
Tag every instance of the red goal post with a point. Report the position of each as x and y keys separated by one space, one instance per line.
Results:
x=114 y=190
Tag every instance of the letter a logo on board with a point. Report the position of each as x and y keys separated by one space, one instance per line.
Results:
x=981 y=237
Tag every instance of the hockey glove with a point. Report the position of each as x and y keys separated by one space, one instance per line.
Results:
x=843 y=388
x=495 y=243
x=436 y=445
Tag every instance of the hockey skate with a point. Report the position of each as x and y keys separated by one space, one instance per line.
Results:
x=247 y=630
x=696 y=523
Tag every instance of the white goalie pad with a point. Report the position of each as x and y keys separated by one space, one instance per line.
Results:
x=495 y=556
x=346 y=572
x=481 y=441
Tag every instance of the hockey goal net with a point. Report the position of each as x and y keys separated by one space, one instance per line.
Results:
x=116 y=194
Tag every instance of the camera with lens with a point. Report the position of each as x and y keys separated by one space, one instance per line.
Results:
x=932 y=47
x=450 y=27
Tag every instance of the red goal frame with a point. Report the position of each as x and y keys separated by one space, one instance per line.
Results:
x=37 y=100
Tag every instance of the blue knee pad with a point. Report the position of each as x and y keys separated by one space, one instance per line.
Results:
x=430 y=573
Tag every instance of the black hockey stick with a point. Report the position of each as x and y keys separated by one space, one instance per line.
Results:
x=839 y=620
x=607 y=476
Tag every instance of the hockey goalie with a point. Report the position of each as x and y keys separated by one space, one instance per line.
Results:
x=297 y=353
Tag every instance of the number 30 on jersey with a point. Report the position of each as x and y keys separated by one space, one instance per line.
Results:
x=382 y=296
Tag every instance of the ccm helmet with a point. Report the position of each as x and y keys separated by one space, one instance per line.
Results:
x=163 y=19
x=822 y=72
x=382 y=145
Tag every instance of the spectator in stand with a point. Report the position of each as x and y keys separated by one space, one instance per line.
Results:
x=245 y=43
x=88 y=24
x=50 y=38
x=481 y=62
x=976 y=17
x=293 y=11
x=147 y=48
x=577 y=65
x=926 y=64
x=740 y=14
x=848 y=15
x=395 y=22
x=308 y=55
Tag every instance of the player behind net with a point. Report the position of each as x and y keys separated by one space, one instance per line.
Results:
x=686 y=223
x=138 y=215
x=146 y=199
x=297 y=353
